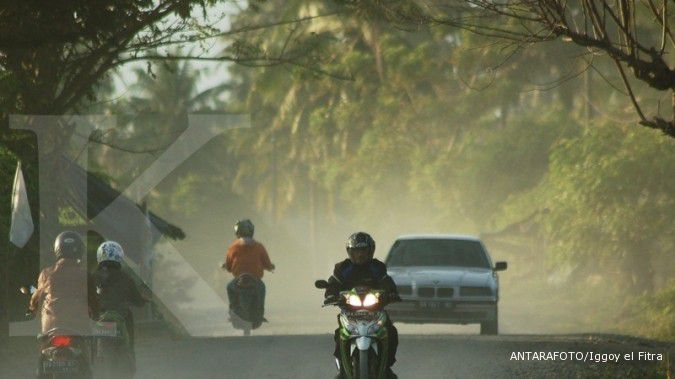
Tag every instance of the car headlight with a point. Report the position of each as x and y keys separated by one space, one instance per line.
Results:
x=370 y=300
x=475 y=291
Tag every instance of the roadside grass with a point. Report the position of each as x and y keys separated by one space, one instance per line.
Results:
x=653 y=315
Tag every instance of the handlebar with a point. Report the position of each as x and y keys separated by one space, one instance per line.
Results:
x=331 y=300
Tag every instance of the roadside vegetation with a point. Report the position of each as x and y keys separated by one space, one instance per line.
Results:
x=358 y=122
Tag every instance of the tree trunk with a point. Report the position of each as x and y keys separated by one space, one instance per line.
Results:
x=638 y=266
x=274 y=178
x=312 y=227
x=588 y=87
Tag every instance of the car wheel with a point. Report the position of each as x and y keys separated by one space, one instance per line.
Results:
x=490 y=327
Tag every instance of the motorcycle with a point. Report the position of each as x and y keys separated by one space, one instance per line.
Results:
x=114 y=356
x=362 y=332
x=247 y=312
x=62 y=352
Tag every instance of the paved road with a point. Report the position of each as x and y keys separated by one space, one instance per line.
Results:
x=420 y=356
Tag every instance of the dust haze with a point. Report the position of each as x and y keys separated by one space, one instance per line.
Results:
x=305 y=248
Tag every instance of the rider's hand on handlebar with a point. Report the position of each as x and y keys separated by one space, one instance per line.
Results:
x=330 y=300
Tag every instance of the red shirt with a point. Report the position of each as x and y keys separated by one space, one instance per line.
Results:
x=247 y=256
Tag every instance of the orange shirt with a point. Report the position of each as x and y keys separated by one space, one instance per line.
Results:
x=247 y=256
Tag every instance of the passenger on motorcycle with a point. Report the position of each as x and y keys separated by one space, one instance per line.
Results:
x=361 y=269
x=63 y=294
x=246 y=256
x=115 y=289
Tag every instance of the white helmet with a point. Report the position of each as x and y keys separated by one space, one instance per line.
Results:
x=110 y=251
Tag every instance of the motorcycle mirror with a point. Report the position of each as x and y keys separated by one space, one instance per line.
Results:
x=27 y=290
x=321 y=284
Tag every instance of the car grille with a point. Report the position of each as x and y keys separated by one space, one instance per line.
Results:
x=445 y=292
x=404 y=290
x=425 y=291
x=475 y=291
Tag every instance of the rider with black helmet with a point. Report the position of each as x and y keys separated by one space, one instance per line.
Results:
x=62 y=292
x=361 y=269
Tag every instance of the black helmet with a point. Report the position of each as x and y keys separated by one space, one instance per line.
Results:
x=360 y=241
x=68 y=245
x=244 y=228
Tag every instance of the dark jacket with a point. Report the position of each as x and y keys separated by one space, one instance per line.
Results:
x=116 y=290
x=347 y=275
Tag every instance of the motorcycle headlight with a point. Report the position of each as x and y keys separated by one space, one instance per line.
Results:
x=354 y=300
x=370 y=300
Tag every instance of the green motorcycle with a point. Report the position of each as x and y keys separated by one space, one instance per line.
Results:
x=363 y=339
x=114 y=355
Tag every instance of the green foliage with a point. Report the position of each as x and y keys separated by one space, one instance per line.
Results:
x=494 y=165
x=653 y=315
x=69 y=218
x=7 y=170
x=442 y=129
x=430 y=129
x=610 y=200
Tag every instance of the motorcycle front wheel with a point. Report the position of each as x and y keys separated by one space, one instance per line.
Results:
x=363 y=364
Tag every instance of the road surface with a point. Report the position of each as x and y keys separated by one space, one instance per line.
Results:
x=420 y=356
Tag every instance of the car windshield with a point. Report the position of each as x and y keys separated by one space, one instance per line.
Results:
x=437 y=252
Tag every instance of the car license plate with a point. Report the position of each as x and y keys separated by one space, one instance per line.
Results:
x=59 y=366
x=107 y=329
x=435 y=304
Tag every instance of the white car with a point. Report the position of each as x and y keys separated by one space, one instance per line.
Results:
x=444 y=279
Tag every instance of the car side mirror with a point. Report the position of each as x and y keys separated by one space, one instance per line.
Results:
x=500 y=266
x=321 y=284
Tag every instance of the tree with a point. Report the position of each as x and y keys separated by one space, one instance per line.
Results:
x=610 y=204
x=53 y=55
x=151 y=117
x=413 y=95
x=634 y=35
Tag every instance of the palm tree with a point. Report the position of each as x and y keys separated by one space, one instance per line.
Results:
x=155 y=115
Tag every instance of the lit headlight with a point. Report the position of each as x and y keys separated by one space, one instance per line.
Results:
x=370 y=300
x=354 y=300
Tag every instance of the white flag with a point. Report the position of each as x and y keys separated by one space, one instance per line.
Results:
x=22 y=223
